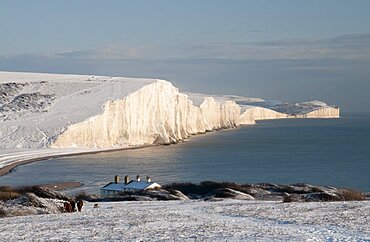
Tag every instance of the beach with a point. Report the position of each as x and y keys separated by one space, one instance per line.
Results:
x=10 y=159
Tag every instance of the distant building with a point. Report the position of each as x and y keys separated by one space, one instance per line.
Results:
x=128 y=185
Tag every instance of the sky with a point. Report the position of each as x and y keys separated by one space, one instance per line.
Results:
x=283 y=50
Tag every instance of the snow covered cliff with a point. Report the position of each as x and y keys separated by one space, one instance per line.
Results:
x=155 y=114
x=68 y=111
x=325 y=112
x=251 y=114
x=310 y=109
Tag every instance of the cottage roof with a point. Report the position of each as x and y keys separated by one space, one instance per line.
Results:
x=114 y=186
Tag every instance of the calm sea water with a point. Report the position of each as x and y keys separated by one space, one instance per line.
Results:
x=319 y=151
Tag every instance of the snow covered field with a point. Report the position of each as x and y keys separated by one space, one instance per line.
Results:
x=197 y=221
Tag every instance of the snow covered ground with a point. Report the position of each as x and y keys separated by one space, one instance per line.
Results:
x=227 y=220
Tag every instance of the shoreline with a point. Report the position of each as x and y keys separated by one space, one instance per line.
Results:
x=60 y=186
x=11 y=167
x=85 y=151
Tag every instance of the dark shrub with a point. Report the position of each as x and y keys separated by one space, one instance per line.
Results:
x=82 y=195
x=2 y=212
x=287 y=199
x=187 y=188
x=206 y=188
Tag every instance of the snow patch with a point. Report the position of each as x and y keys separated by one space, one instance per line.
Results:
x=196 y=220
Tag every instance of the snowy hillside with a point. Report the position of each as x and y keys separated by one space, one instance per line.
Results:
x=196 y=220
x=36 y=108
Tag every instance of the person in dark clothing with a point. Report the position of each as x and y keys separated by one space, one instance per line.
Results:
x=80 y=203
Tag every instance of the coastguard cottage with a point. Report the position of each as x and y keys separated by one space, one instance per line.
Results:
x=128 y=185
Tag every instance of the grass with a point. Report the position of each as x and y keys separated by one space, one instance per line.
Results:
x=8 y=193
x=352 y=195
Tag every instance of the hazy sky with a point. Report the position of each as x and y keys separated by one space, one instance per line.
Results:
x=284 y=50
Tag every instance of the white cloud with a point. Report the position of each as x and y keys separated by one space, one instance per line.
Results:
x=341 y=47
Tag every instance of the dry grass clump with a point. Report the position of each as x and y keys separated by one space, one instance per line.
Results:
x=352 y=195
x=8 y=193
x=5 y=196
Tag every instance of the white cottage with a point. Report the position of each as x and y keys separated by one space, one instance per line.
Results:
x=128 y=185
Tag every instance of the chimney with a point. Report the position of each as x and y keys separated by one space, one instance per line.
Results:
x=116 y=179
x=148 y=179
x=127 y=179
x=138 y=178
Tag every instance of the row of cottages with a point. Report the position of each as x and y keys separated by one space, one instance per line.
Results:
x=128 y=185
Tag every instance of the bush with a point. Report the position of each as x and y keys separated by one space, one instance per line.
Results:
x=8 y=193
x=288 y=199
x=185 y=187
x=352 y=195
x=6 y=188
x=82 y=195
x=4 y=196
x=2 y=212
x=205 y=188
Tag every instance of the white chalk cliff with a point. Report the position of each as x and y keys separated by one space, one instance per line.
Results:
x=324 y=112
x=252 y=114
x=65 y=111
x=155 y=114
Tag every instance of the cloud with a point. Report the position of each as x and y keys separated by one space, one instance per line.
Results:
x=349 y=40
x=340 y=47
x=124 y=52
x=345 y=47
x=355 y=46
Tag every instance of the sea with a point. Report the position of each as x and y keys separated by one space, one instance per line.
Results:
x=332 y=152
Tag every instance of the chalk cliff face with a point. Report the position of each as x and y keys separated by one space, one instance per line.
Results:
x=251 y=114
x=325 y=112
x=309 y=109
x=156 y=114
